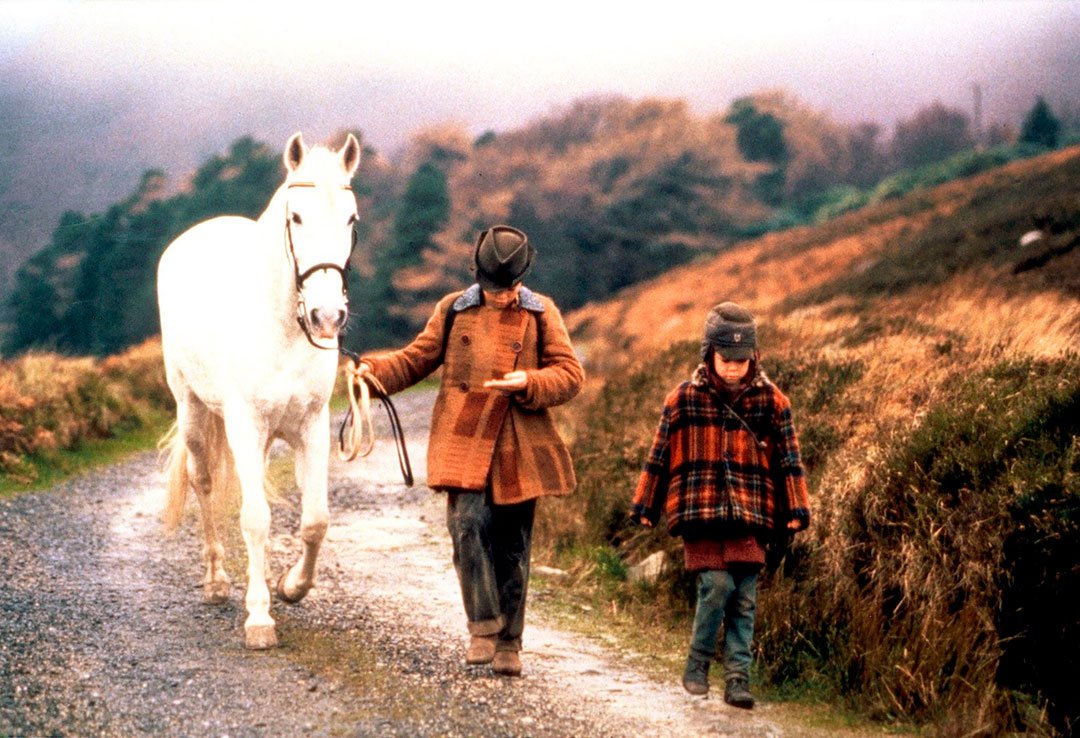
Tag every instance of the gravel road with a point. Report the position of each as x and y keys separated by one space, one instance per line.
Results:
x=103 y=632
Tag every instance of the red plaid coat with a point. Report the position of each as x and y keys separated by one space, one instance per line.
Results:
x=712 y=468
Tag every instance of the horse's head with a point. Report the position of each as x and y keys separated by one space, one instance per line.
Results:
x=320 y=210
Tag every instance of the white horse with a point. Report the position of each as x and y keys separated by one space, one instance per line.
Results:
x=250 y=316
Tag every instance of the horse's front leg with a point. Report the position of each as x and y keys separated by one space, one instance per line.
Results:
x=248 y=441
x=312 y=461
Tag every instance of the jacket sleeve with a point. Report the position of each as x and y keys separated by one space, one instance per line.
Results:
x=398 y=370
x=791 y=477
x=560 y=374
x=652 y=487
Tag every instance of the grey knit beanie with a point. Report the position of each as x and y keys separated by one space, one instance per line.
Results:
x=731 y=330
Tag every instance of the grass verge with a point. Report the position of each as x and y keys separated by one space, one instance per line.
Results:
x=49 y=468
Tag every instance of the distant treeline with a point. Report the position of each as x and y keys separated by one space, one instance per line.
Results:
x=611 y=192
x=92 y=291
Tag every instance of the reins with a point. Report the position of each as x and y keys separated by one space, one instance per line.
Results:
x=351 y=433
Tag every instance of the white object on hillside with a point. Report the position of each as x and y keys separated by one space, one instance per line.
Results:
x=1031 y=237
x=649 y=570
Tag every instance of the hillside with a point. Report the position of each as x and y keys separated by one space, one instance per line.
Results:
x=930 y=258
x=933 y=367
x=619 y=189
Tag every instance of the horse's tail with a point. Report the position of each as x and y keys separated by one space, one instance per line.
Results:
x=175 y=455
x=224 y=485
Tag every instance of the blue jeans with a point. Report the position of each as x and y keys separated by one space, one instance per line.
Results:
x=728 y=597
x=491 y=556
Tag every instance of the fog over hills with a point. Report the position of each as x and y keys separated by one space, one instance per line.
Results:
x=94 y=94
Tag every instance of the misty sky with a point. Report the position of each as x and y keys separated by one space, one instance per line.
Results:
x=390 y=68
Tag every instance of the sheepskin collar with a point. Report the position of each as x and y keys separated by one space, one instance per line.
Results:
x=474 y=296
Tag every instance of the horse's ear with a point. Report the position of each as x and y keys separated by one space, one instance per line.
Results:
x=350 y=154
x=294 y=152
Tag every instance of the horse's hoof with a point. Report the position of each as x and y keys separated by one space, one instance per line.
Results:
x=260 y=637
x=215 y=593
x=283 y=595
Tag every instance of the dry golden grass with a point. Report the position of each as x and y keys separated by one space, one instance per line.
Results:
x=760 y=275
x=50 y=403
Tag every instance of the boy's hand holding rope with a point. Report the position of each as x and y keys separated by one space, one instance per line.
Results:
x=361 y=382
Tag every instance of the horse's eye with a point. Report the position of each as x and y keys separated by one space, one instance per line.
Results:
x=296 y=218
x=353 y=218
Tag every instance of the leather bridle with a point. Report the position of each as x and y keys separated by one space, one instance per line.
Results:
x=326 y=266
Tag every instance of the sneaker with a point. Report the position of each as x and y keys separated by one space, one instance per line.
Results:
x=737 y=693
x=481 y=650
x=695 y=679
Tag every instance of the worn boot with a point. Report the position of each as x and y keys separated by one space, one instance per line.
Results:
x=737 y=693
x=481 y=650
x=507 y=662
x=695 y=679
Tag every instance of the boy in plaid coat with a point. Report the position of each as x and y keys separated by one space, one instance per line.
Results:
x=725 y=471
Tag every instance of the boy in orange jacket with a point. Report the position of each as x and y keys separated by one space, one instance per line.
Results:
x=494 y=448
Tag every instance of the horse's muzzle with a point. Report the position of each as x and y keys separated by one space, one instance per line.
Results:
x=327 y=323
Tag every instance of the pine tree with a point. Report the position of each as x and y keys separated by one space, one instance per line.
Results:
x=107 y=300
x=760 y=137
x=424 y=208
x=1040 y=125
x=32 y=307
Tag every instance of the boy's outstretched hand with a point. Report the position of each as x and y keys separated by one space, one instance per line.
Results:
x=514 y=381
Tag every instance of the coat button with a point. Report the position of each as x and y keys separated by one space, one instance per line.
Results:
x=516 y=346
x=464 y=386
x=465 y=340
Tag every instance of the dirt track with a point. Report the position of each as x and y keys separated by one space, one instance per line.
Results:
x=102 y=631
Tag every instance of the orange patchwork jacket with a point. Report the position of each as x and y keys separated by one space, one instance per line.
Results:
x=480 y=434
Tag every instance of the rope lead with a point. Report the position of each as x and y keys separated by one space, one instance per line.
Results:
x=356 y=437
x=358 y=423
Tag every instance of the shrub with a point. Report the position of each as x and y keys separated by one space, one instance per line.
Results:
x=609 y=455
x=916 y=596
x=963 y=164
x=50 y=403
x=841 y=200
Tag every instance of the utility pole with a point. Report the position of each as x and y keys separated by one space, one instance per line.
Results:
x=977 y=131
